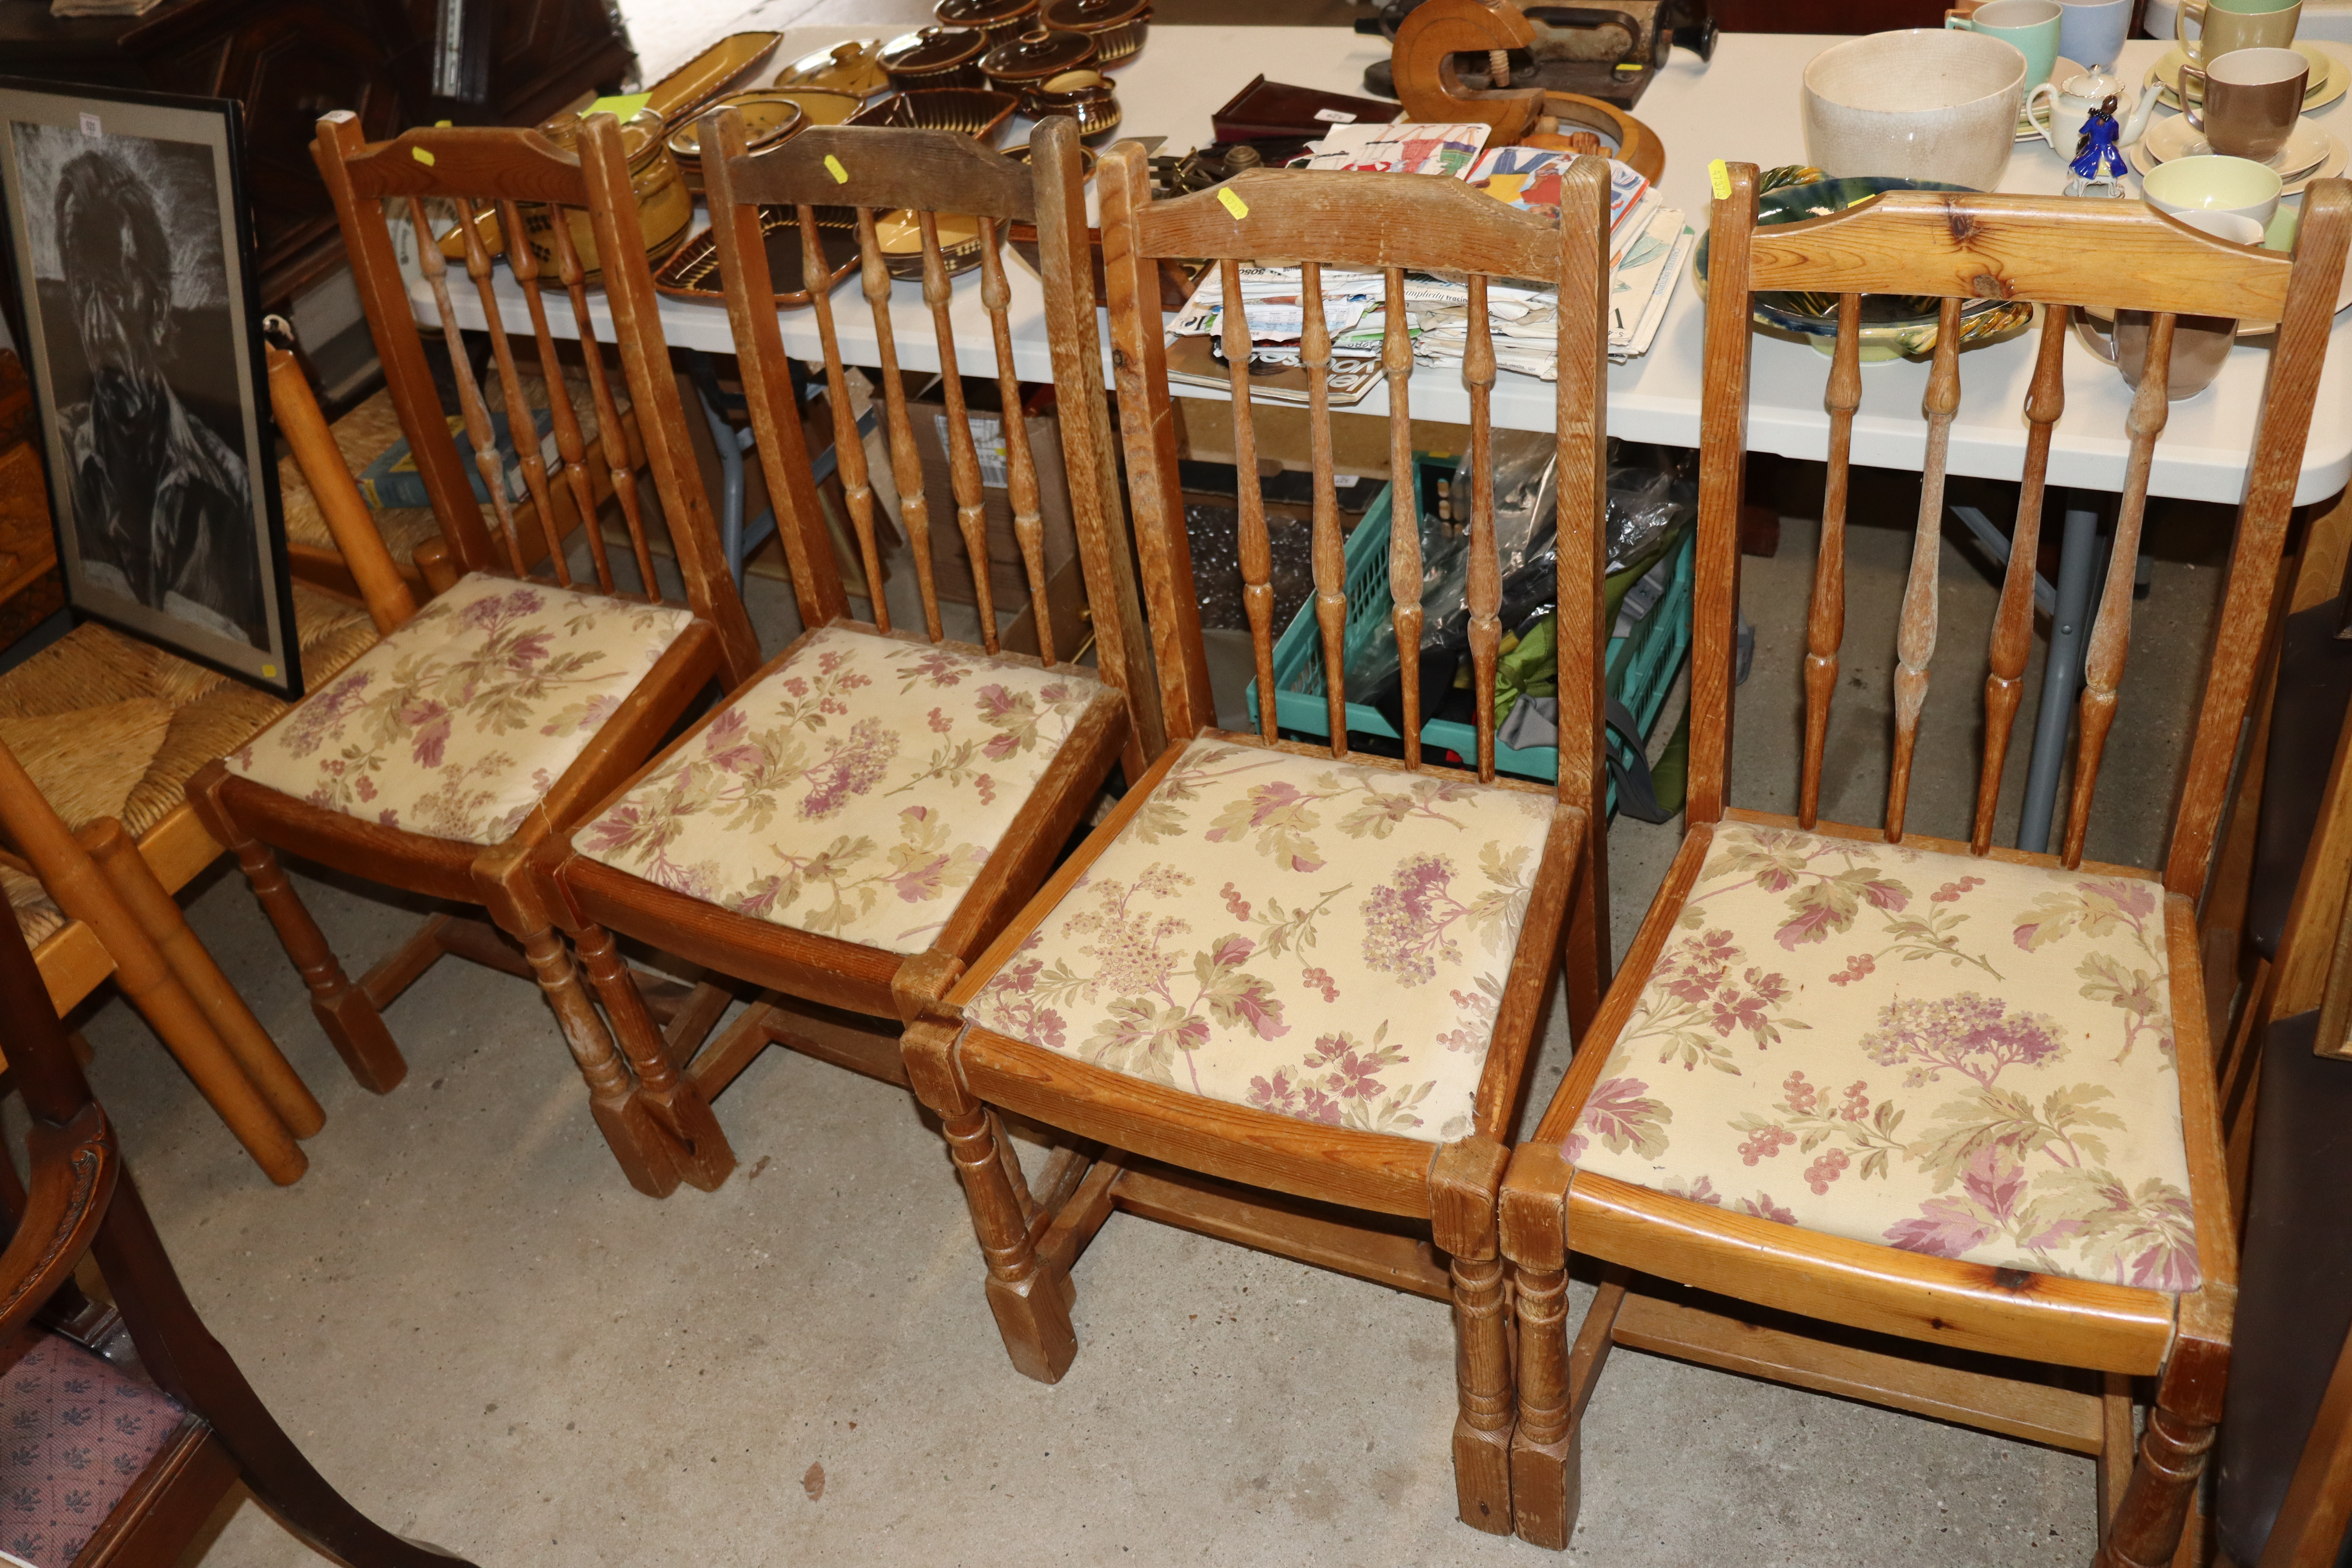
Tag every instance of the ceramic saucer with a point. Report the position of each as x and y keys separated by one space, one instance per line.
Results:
x=2306 y=147
x=2330 y=164
x=2329 y=76
x=2061 y=70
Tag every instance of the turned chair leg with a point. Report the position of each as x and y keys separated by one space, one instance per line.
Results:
x=2146 y=1528
x=701 y=1152
x=1031 y=1304
x=637 y=1141
x=1482 y=1370
x=1546 y=1486
x=343 y=1009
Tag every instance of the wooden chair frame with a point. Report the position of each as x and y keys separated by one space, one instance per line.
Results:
x=81 y=1202
x=924 y=171
x=509 y=168
x=1180 y=1157
x=2060 y=254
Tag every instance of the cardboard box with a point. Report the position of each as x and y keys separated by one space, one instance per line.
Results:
x=1008 y=574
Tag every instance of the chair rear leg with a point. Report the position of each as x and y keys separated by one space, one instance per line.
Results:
x=343 y=1009
x=700 y=1150
x=1031 y=1307
x=641 y=1144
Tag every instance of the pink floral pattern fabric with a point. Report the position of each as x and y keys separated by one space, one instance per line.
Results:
x=1322 y=940
x=458 y=723
x=855 y=792
x=75 y=1432
x=1963 y=1057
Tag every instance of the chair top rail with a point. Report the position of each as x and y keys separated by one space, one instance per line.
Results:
x=2050 y=250
x=886 y=166
x=1347 y=220
x=469 y=162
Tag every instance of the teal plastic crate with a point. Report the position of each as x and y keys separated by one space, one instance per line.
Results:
x=1641 y=665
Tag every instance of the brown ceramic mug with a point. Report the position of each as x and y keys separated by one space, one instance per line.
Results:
x=2252 y=99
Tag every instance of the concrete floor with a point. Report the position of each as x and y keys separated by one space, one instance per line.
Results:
x=474 y=1326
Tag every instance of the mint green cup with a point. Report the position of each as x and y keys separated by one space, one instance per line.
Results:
x=2030 y=26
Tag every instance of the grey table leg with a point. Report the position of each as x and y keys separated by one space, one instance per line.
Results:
x=2061 y=676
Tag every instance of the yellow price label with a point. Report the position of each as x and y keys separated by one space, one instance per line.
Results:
x=624 y=107
x=1720 y=178
x=422 y=156
x=833 y=167
x=269 y=672
x=1232 y=203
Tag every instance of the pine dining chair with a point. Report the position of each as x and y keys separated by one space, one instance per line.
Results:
x=1281 y=971
x=1858 y=1080
x=441 y=758
x=857 y=822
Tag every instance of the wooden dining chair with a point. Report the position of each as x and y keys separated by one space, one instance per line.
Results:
x=853 y=826
x=442 y=756
x=104 y=1464
x=1857 y=1079
x=1280 y=972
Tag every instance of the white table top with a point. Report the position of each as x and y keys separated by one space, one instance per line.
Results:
x=1741 y=105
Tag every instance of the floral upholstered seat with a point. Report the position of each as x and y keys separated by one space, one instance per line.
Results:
x=1959 y=1056
x=459 y=722
x=1324 y=941
x=75 y=1433
x=869 y=831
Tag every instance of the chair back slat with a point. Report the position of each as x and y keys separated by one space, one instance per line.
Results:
x=1486 y=586
x=2012 y=625
x=2103 y=662
x=479 y=434
x=1825 y=616
x=906 y=467
x=848 y=445
x=533 y=192
x=963 y=457
x=1404 y=505
x=1020 y=466
x=1915 y=634
x=2063 y=256
x=570 y=449
x=1330 y=556
x=520 y=427
x=1255 y=548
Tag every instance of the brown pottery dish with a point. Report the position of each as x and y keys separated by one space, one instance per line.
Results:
x=935 y=57
x=1000 y=19
x=1116 y=26
x=1084 y=96
x=1035 y=56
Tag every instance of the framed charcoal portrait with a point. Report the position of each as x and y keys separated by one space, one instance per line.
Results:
x=129 y=254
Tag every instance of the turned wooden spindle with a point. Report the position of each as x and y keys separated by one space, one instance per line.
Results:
x=1256 y=550
x=1488 y=1403
x=470 y=394
x=906 y=468
x=2102 y=662
x=521 y=429
x=1485 y=595
x=1915 y=639
x=1825 y=617
x=2012 y=625
x=1330 y=556
x=848 y=446
x=613 y=1101
x=1404 y=514
x=571 y=447
x=964 y=457
x=610 y=435
x=696 y=1147
x=1020 y=466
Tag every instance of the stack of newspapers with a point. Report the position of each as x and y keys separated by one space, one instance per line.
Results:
x=1649 y=244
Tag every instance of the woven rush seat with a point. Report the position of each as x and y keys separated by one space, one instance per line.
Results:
x=1324 y=941
x=459 y=722
x=1955 y=1056
x=869 y=832
x=75 y=1434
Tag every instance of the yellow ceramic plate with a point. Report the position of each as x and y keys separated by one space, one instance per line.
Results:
x=2329 y=76
x=845 y=67
x=725 y=64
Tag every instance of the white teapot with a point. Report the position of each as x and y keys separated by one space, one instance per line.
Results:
x=2068 y=103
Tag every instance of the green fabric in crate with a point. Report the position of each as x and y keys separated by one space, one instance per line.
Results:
x=1529 y=666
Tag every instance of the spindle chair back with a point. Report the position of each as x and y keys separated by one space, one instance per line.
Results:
x=1211 y=1109
x=1955 y=1227
x=487 y=721
x=927 y=860
x=144 y=1455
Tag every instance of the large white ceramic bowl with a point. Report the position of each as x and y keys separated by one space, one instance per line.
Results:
x=1914 y=104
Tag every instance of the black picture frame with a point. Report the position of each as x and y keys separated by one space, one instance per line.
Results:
x=135 y=300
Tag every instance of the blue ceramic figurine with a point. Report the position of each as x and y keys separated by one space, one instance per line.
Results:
x=2098 y=165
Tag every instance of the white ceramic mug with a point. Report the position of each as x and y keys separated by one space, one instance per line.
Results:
x=1919 y=104
x=2210 y=184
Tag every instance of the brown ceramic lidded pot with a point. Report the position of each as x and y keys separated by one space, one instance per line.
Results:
x=1116 y=26
x=935 y=57
x=1002 y=20
x=1038 y=53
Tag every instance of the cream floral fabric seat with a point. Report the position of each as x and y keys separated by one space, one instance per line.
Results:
x=1324 y=941
x=870 y=831
x=458 y=723
x=1958 y=1056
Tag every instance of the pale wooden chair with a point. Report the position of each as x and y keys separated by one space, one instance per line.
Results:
x=442 y=758
x=1279 y=972
x=1946 y=1070
x=109 y=1465
x=851 y=827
